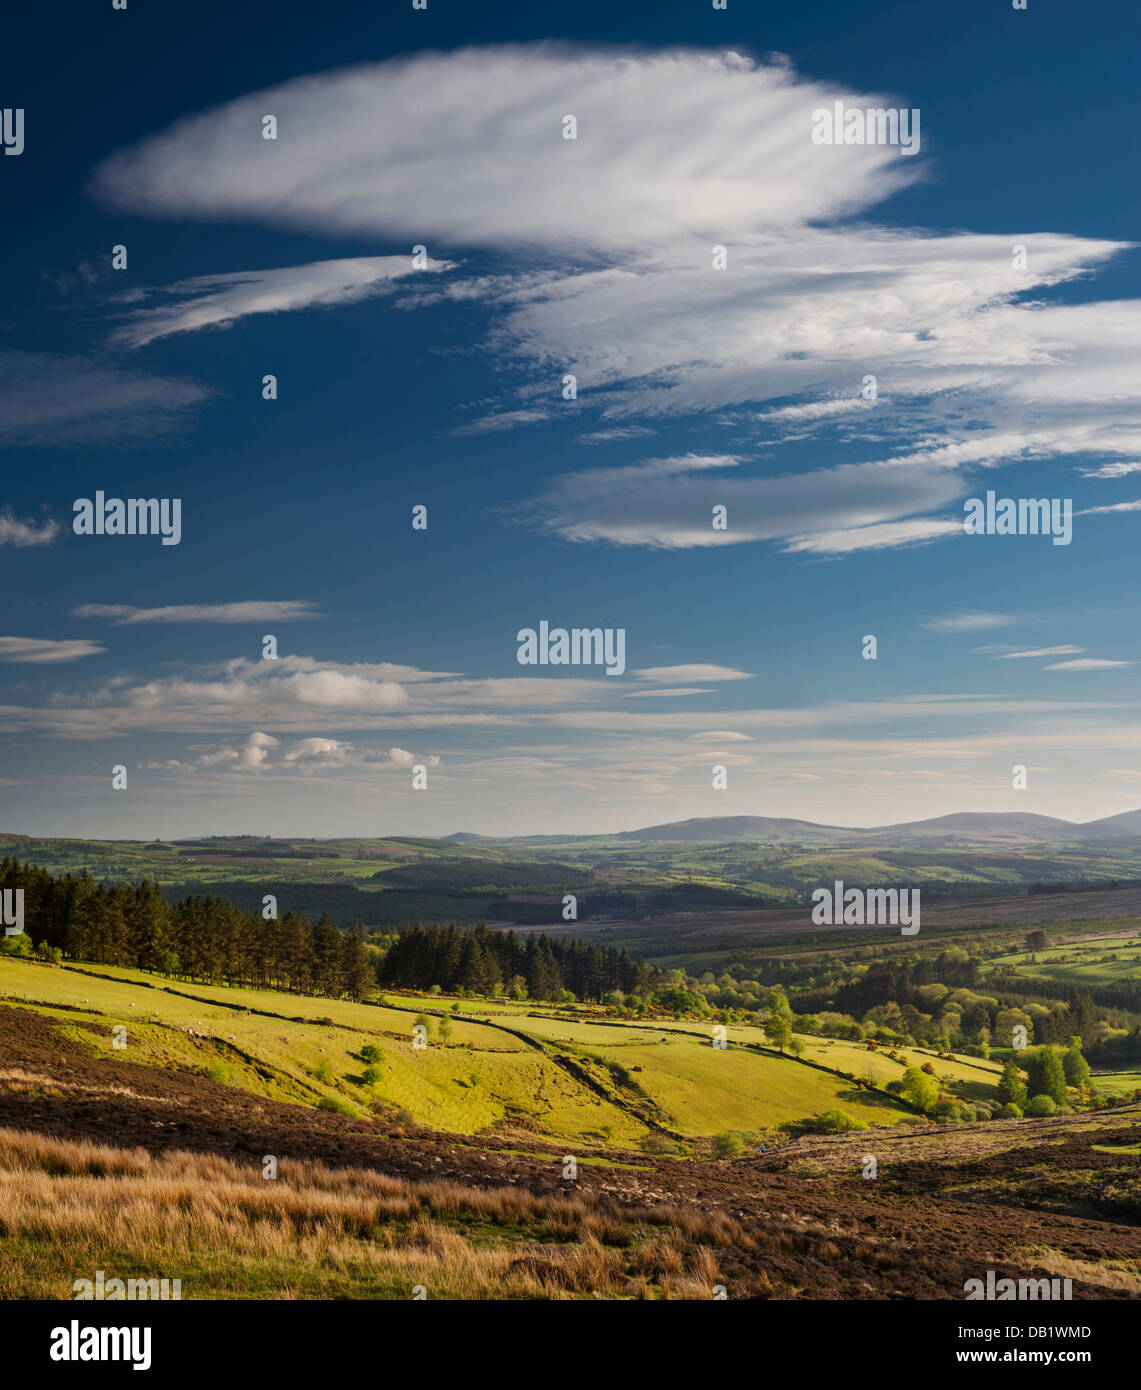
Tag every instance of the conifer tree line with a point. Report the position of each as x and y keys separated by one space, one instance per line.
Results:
x=209 y=939
x=539 y=968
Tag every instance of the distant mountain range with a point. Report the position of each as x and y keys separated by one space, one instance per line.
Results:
x=967 y=827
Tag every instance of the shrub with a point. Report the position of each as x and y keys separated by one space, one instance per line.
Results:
x=371 y=1075
x=218 y=1071
x=336 y=1105
x=1010 y=1111
x=371 y=1053
x=839 y=1122
x=323 y=1071
x=728 y=1145
x=1042 y=1105
x=920 y=1089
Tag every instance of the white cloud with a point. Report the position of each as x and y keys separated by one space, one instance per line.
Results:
x=1038 y=651
x=684 y=690
x=218 y=301
x=1085 y=663
x=677 y=151
x=467 y=147
x=258 y=752
x=697 y=671
x=320 y=754
x=617 y=434
x=41 y=651
x=887 y=535
x=969 y=622
x=668 y=503
x=817 y=410
x=247 y=611
x=19 y=533
x=1112 y=470
x=506 y=420
x=1113 y=507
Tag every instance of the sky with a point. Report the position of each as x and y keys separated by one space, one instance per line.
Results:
x=725 y=292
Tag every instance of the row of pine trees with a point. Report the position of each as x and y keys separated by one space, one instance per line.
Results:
x=209 y=939
x=478 y=960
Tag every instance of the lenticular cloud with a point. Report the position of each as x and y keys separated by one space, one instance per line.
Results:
x=467 y=148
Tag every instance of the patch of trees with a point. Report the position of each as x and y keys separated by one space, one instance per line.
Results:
x=200 y=938
x=208 y=939
x=477 y=960
x=886 y=982
x=1121 y=994
x=1123 y=1051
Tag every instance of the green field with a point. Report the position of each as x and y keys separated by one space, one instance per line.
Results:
x=709 y=1090
x=482 y=1078
x=1099 y=962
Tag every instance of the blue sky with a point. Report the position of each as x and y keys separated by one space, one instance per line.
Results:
x=441 y=386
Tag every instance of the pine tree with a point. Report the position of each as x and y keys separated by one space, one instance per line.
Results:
x=1075 y=1066
x=356 y=968
x=1011 y=1087
x=1047 y=1076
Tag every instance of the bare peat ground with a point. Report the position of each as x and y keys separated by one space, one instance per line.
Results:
x=1027 y=1199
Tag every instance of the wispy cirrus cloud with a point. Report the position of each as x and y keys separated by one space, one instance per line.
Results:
x=505 y=420
x=1037 y=651
x=45 y=651
x=668 y=503
x=467 y=147
x=976 y=365
x=51 y=400
x=220 y=301
x=1108 y=510
x=969 y=622
x=694 y=671
x=1085 y=663
x=246 y=611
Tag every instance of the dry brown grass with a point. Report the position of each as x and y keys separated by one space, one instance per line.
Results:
x=1124 y=1275
x=70 y=1208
